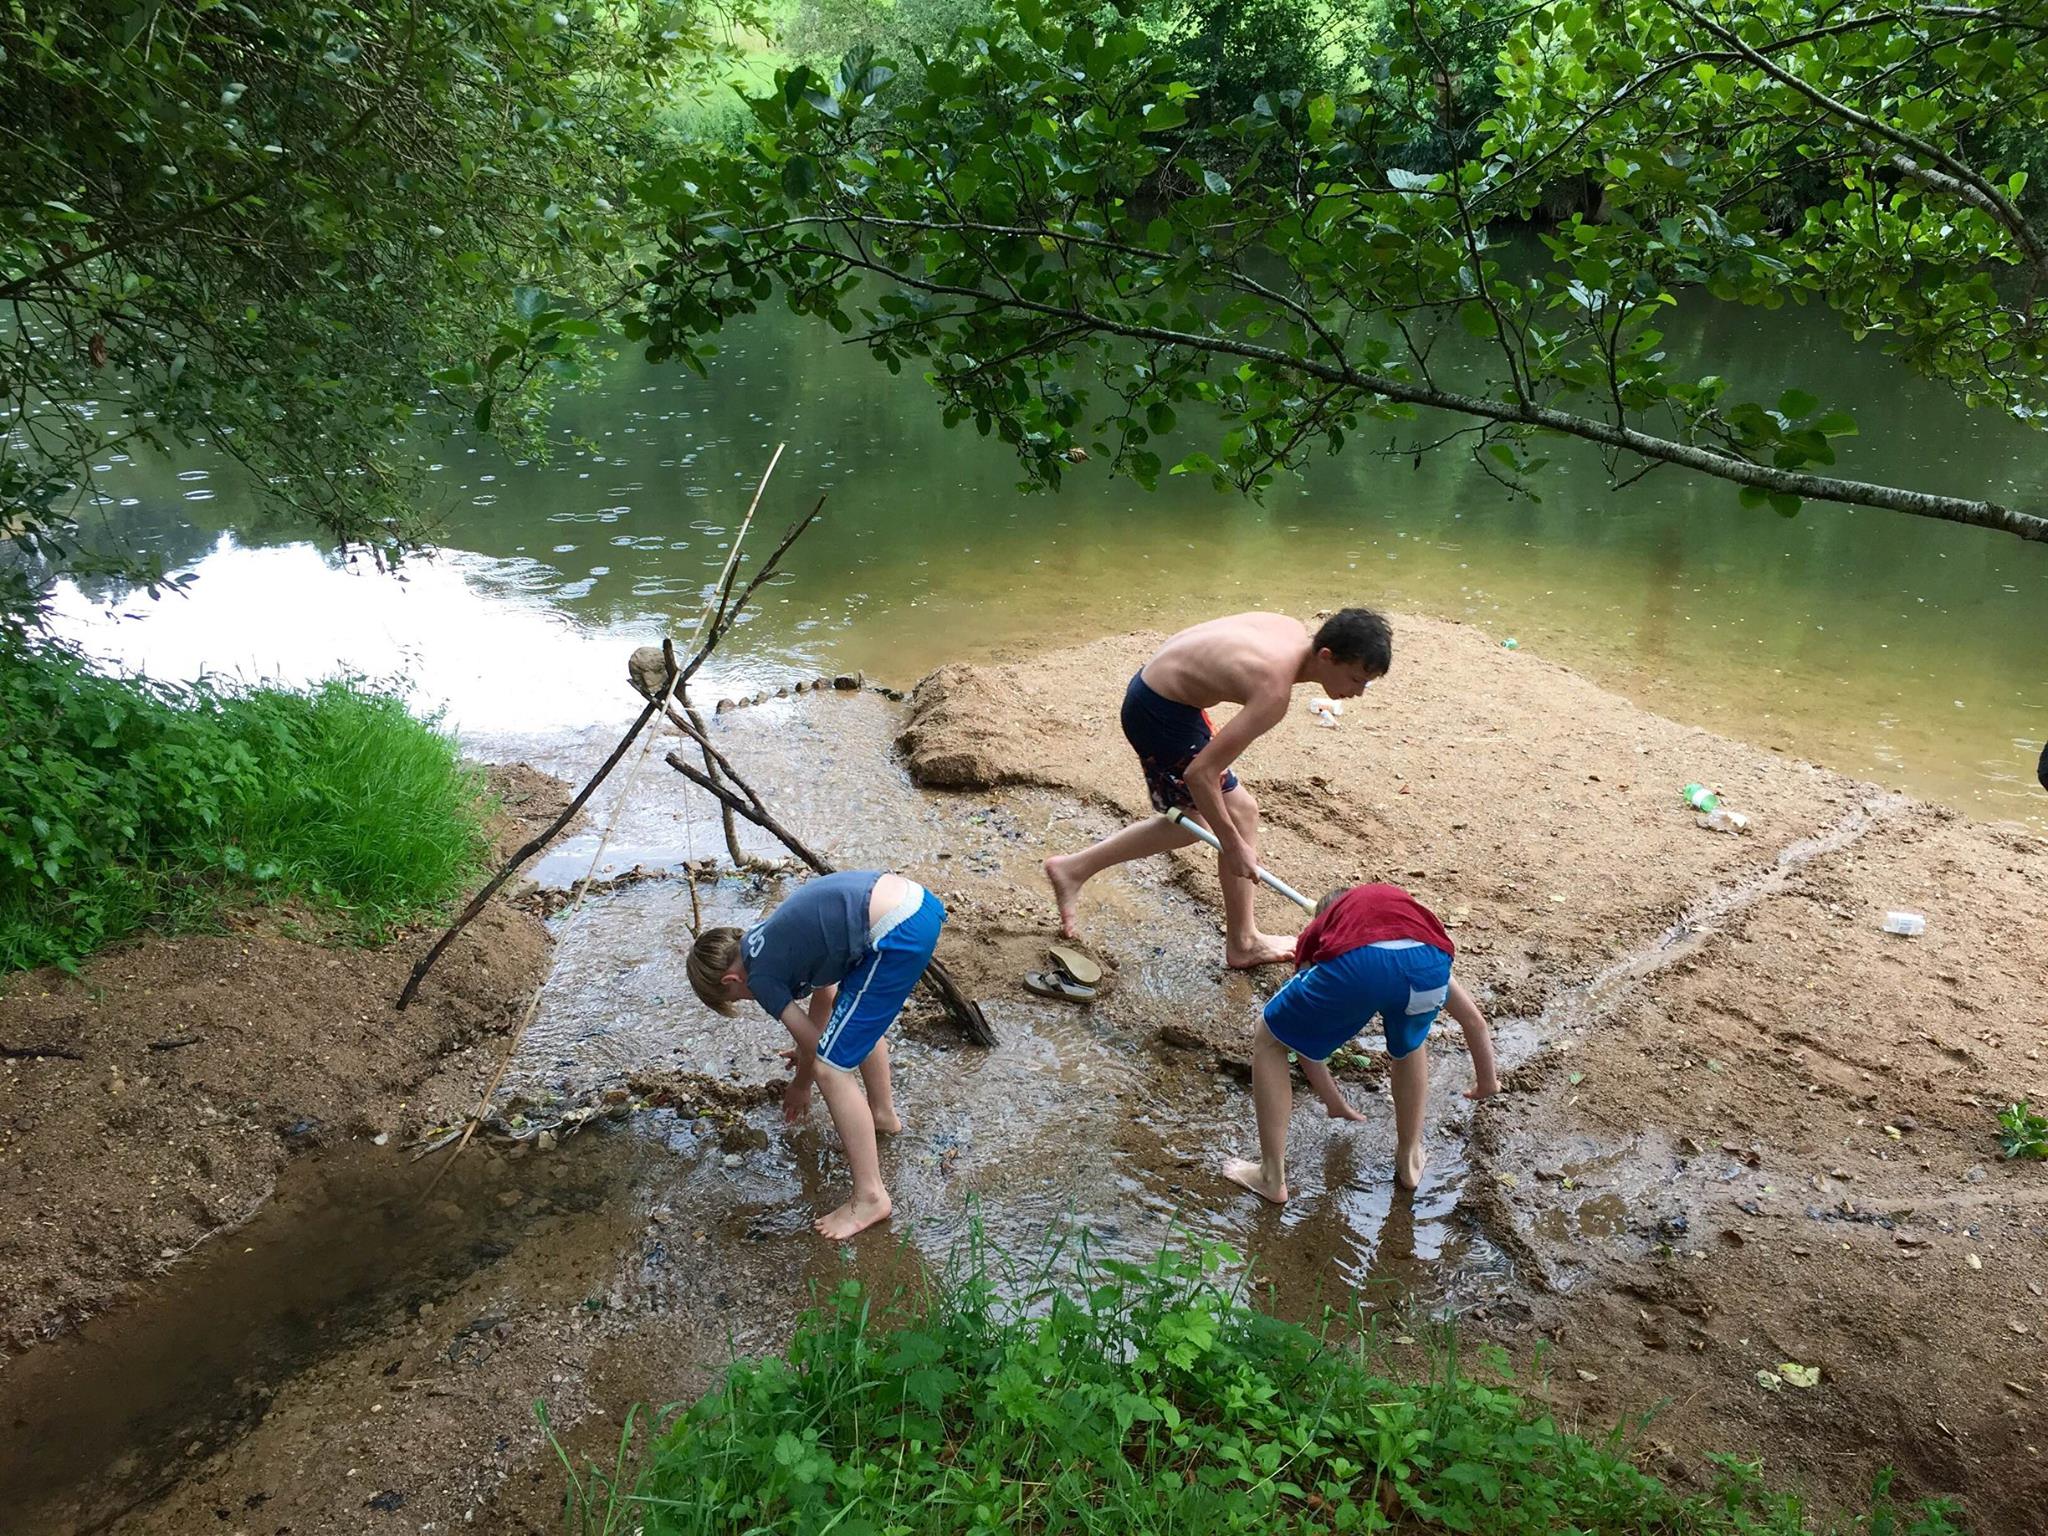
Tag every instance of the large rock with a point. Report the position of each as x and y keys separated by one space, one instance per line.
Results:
x=963 y=735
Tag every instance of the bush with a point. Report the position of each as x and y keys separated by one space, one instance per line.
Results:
x=1137 y=1399
x=126 y=802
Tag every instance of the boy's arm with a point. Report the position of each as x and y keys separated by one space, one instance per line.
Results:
x=1204 y=777
x=1478 y=1041
x=805 y=1022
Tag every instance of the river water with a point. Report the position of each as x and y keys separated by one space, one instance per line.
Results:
x=1887 y=646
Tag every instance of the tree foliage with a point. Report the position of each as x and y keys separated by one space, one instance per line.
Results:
x=299 y=229
x=1041 y=224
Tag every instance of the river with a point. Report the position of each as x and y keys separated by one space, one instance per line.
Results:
x=1891 y=647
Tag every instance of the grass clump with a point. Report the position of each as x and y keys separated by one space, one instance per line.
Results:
x=127 y=803
x=1137 y=1399
x=2022 y=1132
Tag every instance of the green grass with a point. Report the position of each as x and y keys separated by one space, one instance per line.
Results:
x=1136 y=1399
x=126 y=803
x=2022 y=1132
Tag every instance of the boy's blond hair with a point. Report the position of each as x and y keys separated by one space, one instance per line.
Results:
x=714 y=956
x=1330 y=900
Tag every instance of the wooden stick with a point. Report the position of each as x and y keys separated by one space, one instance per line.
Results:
x=533 y=846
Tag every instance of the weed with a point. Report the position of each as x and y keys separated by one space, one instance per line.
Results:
x=1135 y=1398
x=2021 y=1132
x=126 y=802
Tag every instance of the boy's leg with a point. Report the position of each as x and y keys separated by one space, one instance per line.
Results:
x=1326 y=1088
x=855 y=1123
x=1478 y=1041
x=1273 y=1100
x=1243 y=945
x=1411 y=1101
x=1068 y=872
x=874 y=1076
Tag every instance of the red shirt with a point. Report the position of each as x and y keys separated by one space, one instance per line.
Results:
x=1364 y=915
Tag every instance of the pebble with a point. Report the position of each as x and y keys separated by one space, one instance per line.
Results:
x=732 y=1159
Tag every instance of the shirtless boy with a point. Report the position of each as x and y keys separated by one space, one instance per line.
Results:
x=834 y=963
x=1251 y=659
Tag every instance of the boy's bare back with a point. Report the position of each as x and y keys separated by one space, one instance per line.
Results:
x=1231 y=660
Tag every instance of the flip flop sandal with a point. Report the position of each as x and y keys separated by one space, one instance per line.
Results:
x=1075 y=964
x=1052 y=984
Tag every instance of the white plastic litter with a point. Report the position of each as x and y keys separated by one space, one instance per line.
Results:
x=1906 y=924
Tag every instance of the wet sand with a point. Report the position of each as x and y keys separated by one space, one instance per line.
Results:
x=1700 y=1031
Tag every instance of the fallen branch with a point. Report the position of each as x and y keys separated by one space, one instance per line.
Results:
x=721 y=612
x=533 y=846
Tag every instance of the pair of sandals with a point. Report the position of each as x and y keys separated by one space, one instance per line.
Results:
x=1073 y=977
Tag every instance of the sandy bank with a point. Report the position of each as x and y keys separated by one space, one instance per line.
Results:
x=1757 y=1129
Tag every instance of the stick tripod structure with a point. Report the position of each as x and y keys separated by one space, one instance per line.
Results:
x=717 y=777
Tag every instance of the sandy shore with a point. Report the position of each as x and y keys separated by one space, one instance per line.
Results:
x=1746 y=1127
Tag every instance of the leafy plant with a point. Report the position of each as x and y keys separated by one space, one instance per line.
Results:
x=2022 y=1132
x=297 y=230
x=1054 y=231
x=125 y=802
x=1101 y=1396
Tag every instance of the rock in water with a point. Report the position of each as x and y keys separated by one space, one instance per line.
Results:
x=647 y=671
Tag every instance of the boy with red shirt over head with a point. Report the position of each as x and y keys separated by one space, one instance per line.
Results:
x=1371 y=951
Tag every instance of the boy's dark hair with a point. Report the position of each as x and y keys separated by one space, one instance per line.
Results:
x=1360 y=635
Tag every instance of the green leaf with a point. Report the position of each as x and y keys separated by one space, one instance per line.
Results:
x=1797 y=404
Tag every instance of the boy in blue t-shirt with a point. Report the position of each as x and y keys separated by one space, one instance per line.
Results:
x=835 y=963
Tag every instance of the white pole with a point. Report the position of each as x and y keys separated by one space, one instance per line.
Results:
x=1181 y=819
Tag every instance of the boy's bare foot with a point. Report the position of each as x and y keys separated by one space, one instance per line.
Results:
x=1480 y=1091
x=1252 y=1176
x=857 y=1215
x=1263 y=949
x=1408 y=1167
x=1066 y=891
x=891 y=1123
x=1344 y=1109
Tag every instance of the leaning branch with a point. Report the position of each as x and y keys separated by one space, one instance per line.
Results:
x=1723 y=466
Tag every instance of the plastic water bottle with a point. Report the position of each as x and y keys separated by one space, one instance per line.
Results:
x=1701 y=798
x=1721 y=819
x=1325 y=711
x=1906 y=925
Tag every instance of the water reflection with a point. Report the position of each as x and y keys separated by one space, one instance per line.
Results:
x=1882 y=644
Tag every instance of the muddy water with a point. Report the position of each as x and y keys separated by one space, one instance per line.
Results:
x=1081 y=1125
x=1078 y=1118
x=106 y=1418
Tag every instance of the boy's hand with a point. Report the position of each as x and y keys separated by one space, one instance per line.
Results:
x=1238 y=862
x=796 y=1093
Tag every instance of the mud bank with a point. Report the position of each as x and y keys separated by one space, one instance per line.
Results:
x=151 y=1101
x=1692 y=1180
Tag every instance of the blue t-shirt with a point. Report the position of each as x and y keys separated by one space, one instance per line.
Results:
x=814 y=939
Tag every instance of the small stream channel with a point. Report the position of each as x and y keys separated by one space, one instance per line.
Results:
x=1077 y=1123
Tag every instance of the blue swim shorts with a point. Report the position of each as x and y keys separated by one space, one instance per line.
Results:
x=899 y=947
x=1399 y=981
x=1167 y=737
